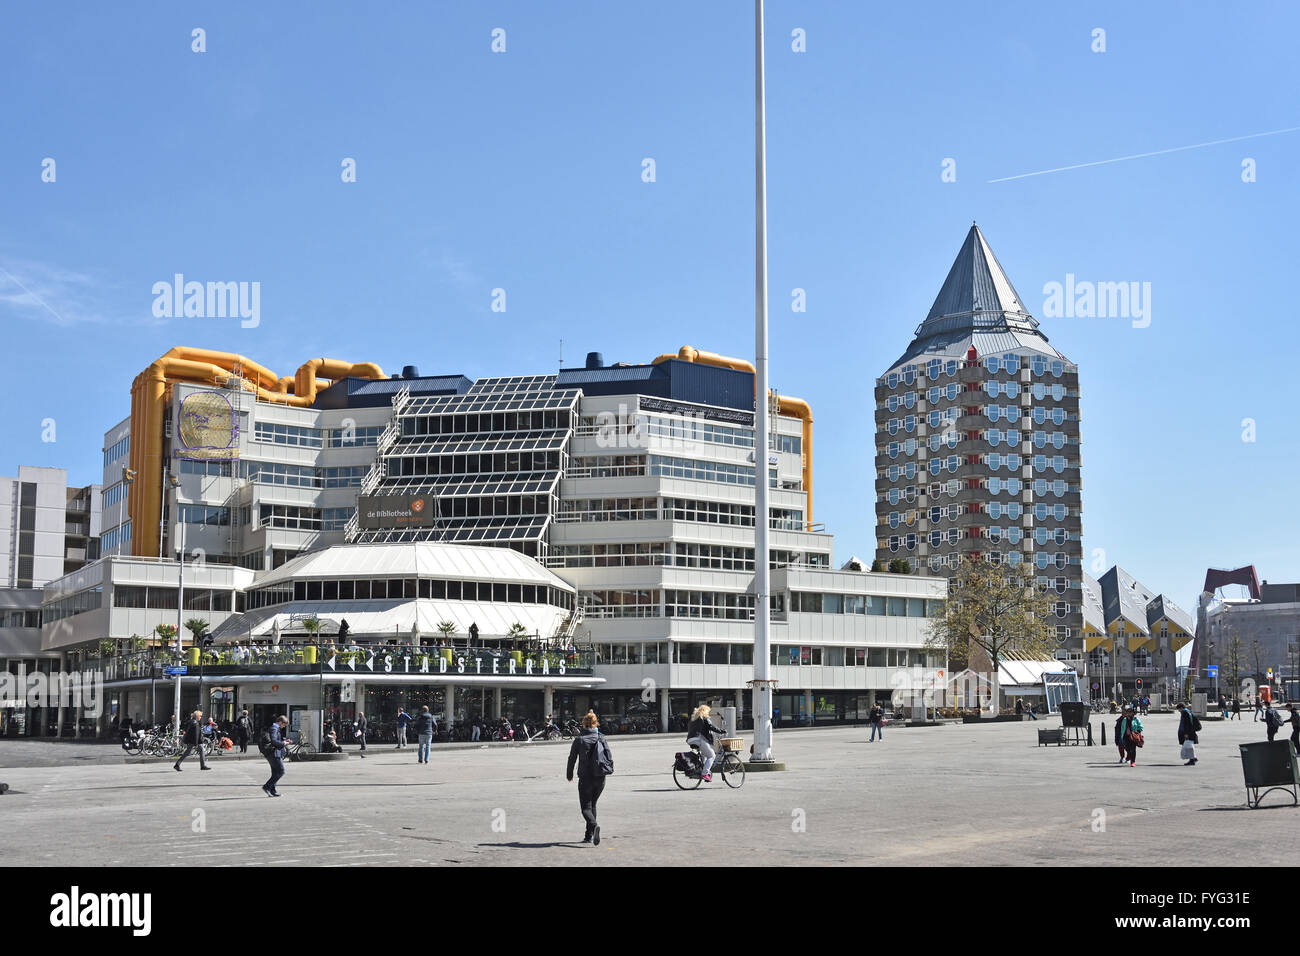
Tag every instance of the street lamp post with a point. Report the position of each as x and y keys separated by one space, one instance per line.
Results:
x=762 y=683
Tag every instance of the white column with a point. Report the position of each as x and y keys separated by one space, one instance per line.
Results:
x=762 y=533
x=808 y=705
x=663 y=709
x=548 y=699
x=449 y=711
x=740 y=708
x=496 y=702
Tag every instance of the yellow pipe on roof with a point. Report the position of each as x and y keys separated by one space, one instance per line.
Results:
x=149 y=395
x=790 y=407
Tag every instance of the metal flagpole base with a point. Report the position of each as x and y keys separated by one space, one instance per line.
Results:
x=759 y=766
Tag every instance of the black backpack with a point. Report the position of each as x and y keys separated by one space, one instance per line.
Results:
x=1271 y=719
x=264 y=742
x=1196 y=724
x=602 y=761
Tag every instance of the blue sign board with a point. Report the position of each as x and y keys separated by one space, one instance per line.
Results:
x=1212 y=670
x=175 y=671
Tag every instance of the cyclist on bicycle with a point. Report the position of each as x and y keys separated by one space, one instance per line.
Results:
x=700 y=734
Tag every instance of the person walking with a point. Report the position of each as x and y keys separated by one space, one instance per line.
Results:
x=403 y=721
x=424 y=725
x=1188 y=727
x=1294 y=721
x=192 y=737
x=1272 y=721
x=877 y=718
x=361 y=725
x=591 y=755
x=272 y=744
x=1119 y=737
x=244 y=728
x=1129 y=730
x=1259 y=708
x=1236 y=708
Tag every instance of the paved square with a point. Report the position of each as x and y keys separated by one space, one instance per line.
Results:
x=924 y=796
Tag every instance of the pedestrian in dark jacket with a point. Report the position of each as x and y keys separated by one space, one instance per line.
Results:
x=1236 y=708
x=589 y=754
x=274 y=753
x=192 y=737
x=361 y=731
x=1294 y=721
x=1187 y=731
x=244 y=727
x=877 y=718
x=404 y=720
x=1272 y=721
x=1119 y=738
x=424 y=727
x=700 y=734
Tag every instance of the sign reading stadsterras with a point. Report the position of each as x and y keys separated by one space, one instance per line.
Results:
x=375 y=512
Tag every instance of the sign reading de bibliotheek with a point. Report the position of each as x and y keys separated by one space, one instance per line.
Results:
x=395 y=511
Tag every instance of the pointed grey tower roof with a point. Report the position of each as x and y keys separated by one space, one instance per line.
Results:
x=976 y=294
x=976 y=306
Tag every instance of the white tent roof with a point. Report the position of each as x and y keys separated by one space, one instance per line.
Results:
x=424 y=559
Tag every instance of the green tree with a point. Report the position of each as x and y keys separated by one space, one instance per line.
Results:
x=998 y=609
x=446 y=629
x=166 y=632
x=877 y=565
x=312 y=626
x=198 y=628
x=899 y=566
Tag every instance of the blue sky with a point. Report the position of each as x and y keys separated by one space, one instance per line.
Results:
x=522 y=171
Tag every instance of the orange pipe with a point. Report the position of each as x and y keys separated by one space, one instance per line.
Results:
x=149 y=394
x=792 y=407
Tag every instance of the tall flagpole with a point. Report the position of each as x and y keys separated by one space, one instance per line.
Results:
x=762 y=702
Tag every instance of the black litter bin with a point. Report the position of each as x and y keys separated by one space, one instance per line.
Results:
x=1268 y=766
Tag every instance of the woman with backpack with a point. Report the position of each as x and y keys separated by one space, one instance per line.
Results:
x=590 y=753
x=1188 y=727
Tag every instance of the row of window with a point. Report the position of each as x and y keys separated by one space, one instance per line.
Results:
x=709 y=557
x=994 y=486
x=406 y=589
x=874 y=605
x=674 y=509
x=164 y=598
x=483 y=422
x=302 y=436
x=1010 y=362
x=512 y=462
x=641 y=603
x=20 y=618
x=793 y=655
x=110 y=539
x=116 y=450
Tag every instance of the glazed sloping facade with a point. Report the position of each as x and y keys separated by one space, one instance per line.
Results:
x=977 y=441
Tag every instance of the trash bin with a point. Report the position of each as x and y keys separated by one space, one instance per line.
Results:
x=309 y=655
x=1269 y=765
x=192 y=656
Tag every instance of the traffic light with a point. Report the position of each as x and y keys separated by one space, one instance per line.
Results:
x=1139 y=681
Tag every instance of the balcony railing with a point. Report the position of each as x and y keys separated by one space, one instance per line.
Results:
x=303 y=658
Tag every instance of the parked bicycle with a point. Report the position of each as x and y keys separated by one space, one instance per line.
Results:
x=299 y=749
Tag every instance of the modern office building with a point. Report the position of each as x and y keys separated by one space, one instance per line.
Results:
x=47 y=529
x=1264 y=623
x=977 y=441
x=630 y=484
x=1130 y=634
